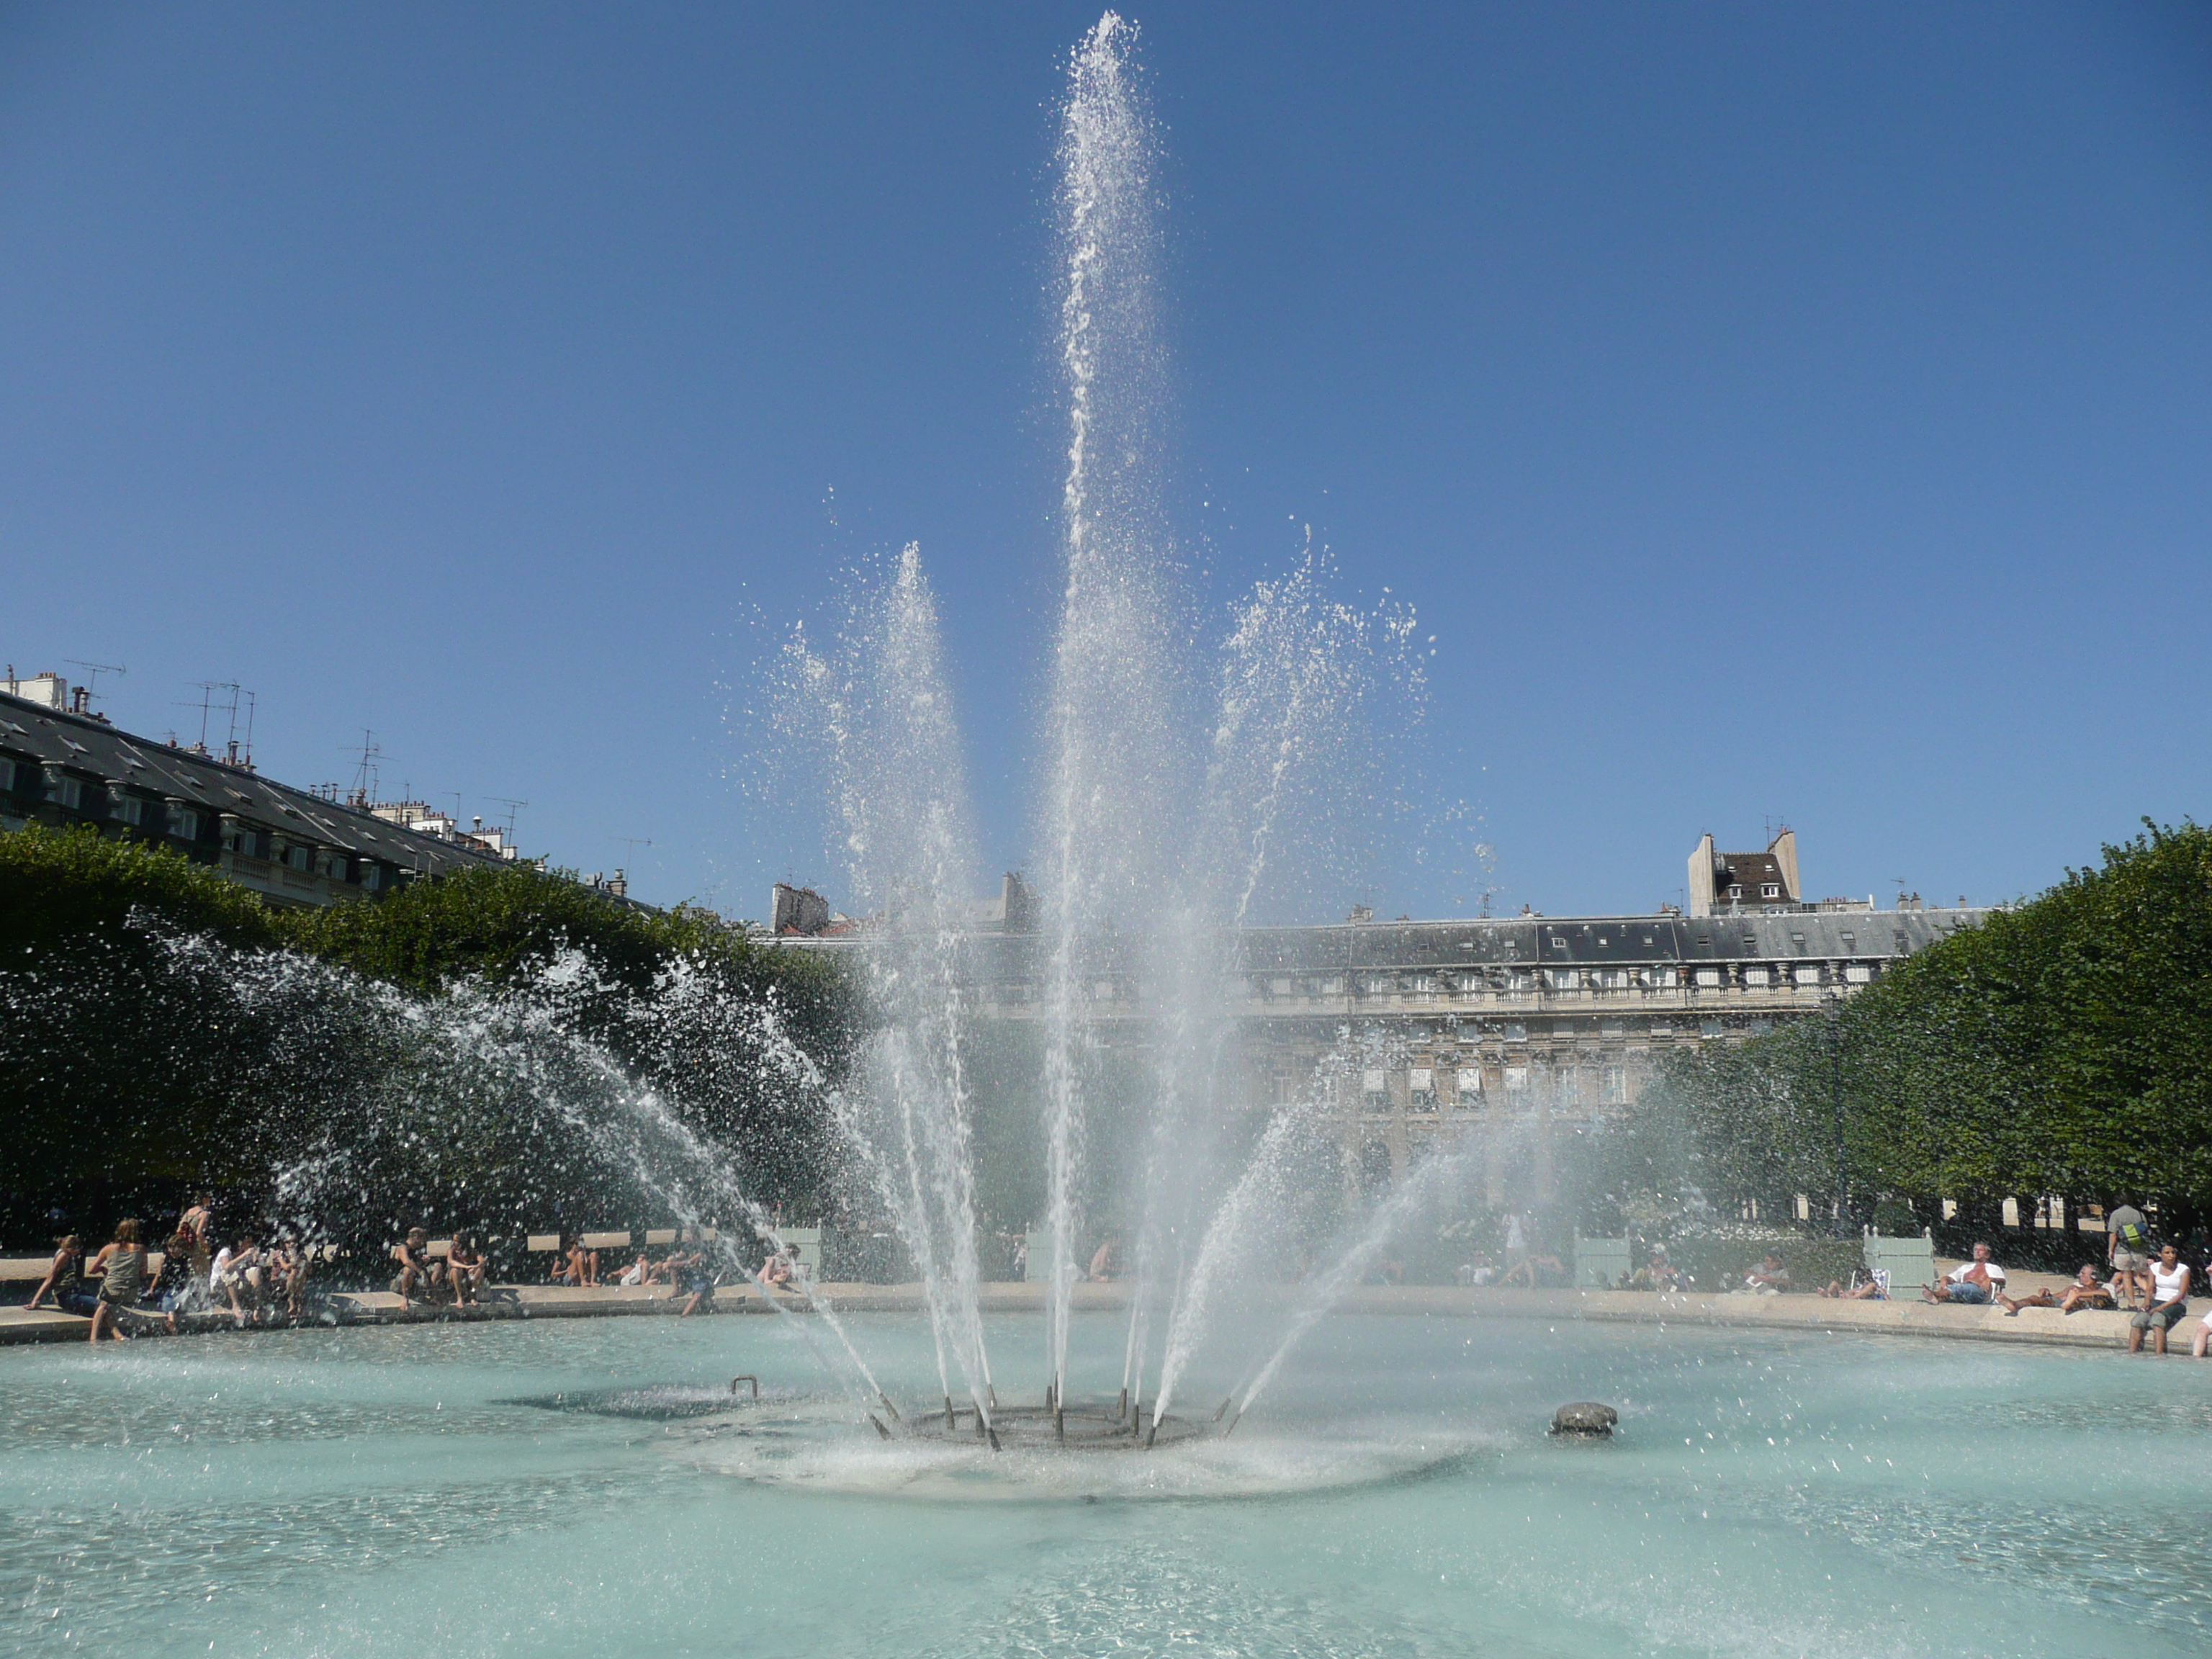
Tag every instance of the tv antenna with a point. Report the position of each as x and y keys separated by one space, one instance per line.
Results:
x=512 y=808
x=96 y=670
x=235 y=752
x=366 y=777
x=632 y=843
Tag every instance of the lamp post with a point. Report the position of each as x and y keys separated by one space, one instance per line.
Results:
x=1836 y=1095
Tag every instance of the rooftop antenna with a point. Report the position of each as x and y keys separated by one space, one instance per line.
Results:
x=632 y=843
x=233 y=748
x=366 y=777
x=205 y=703
x=512 y=808
x=1899 y=880
x=96 y=670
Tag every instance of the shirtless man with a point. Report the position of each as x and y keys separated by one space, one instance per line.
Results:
x=1970 y=1284
x=2084 y=1292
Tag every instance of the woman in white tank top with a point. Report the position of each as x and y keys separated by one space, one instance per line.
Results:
x=2169 y=1300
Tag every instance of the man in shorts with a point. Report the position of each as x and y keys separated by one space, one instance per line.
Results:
x=2127 y=1248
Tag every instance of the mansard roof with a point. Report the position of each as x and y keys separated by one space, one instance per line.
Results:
x=92 y=749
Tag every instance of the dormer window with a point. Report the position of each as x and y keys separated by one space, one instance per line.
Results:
x=1735 y=890
x=1772 y=891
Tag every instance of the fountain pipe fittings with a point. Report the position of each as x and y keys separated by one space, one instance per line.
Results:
x=745 y=1378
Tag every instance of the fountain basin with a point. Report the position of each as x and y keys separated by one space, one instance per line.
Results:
x=310 y=1492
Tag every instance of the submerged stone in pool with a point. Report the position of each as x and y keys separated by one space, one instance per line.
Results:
x=1586 y=1418
x=655 y=1401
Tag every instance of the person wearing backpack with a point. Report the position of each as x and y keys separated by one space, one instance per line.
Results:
x=2127 y=1248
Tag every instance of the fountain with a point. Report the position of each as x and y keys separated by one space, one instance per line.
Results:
x=1172 y=787
x=539 y=1487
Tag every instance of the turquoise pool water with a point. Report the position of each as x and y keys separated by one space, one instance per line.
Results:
x=393 y=1491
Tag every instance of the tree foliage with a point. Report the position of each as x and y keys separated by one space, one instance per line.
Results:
x=2064 y=1046
x=159 y=1024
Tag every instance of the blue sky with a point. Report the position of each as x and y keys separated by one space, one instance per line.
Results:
x=1794 y=411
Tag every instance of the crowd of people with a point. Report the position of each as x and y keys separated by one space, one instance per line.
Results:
x=687 y=1268
x=257 y=1280
x=2150 y=1281
x=201 y=1272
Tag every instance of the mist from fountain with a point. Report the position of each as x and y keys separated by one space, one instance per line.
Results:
x=427 y=1082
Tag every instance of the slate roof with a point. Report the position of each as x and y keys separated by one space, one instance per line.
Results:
x=1871 y=936
x=1752 y=871
x=95 y=750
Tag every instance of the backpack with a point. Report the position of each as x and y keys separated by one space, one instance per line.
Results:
x=2134 y=1238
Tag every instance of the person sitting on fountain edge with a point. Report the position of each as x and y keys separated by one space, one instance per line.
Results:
x=1863 y=1287
x=64 y=1278
x=777 y=1269
x=465 y=1269
x=1106 y=1260
x=176 y=1288
x=1659 y=1273
x=1973 y=1284
x=1768 y=1278
x=582 y=1265
x=2084 y=1292
x=696 y=1280
x=2169 y=1300
x=238 y=1273
x=418 y=1269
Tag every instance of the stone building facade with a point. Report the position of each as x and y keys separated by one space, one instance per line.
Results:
x=1520 y=1027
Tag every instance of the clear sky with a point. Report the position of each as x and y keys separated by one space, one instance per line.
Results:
x=1792 y=412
